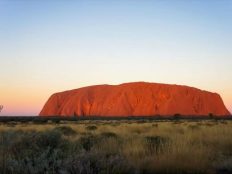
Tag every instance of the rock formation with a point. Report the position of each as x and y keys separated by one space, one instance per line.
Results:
x=134 y=99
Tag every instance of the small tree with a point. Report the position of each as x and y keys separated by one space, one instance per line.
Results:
x=1 y=107
x=211 y=115
x=177 y=116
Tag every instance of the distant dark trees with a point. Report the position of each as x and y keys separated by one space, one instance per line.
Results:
x=177 y=116
x=211 y=115
x=75 y=114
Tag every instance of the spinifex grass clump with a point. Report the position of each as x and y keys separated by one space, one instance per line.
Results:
x=156 y=144
x=87 y=142
x=91 y=127
x=65 y=130
x=155 y=125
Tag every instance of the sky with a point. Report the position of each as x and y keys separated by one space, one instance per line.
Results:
x=51 y=46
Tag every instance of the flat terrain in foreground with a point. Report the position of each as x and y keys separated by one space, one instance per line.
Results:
x=116 y=146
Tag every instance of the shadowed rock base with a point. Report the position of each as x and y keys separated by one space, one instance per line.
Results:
x=134 y=99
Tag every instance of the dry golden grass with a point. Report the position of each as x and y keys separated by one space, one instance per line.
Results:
x=175 y=147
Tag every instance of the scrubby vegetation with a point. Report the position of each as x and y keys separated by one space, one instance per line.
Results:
x=119 y=146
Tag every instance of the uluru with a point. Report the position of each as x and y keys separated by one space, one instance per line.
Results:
x=135 y=99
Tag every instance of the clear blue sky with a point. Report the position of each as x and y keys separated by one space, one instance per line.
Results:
x=50 y=46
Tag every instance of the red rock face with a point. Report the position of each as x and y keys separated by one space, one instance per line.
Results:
x=134 y=99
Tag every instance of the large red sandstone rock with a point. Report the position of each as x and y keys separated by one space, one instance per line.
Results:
x=134 y=99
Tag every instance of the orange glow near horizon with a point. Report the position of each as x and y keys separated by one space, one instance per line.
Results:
x=21 y=102
x=29 y=102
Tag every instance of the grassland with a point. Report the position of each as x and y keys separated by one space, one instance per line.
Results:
x=116 y=146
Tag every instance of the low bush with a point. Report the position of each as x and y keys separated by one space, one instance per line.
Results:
x=32 y=152
x=65 y=130
x=94 y=162
x=156 y=144
x=92 y=127
x=87 y=142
